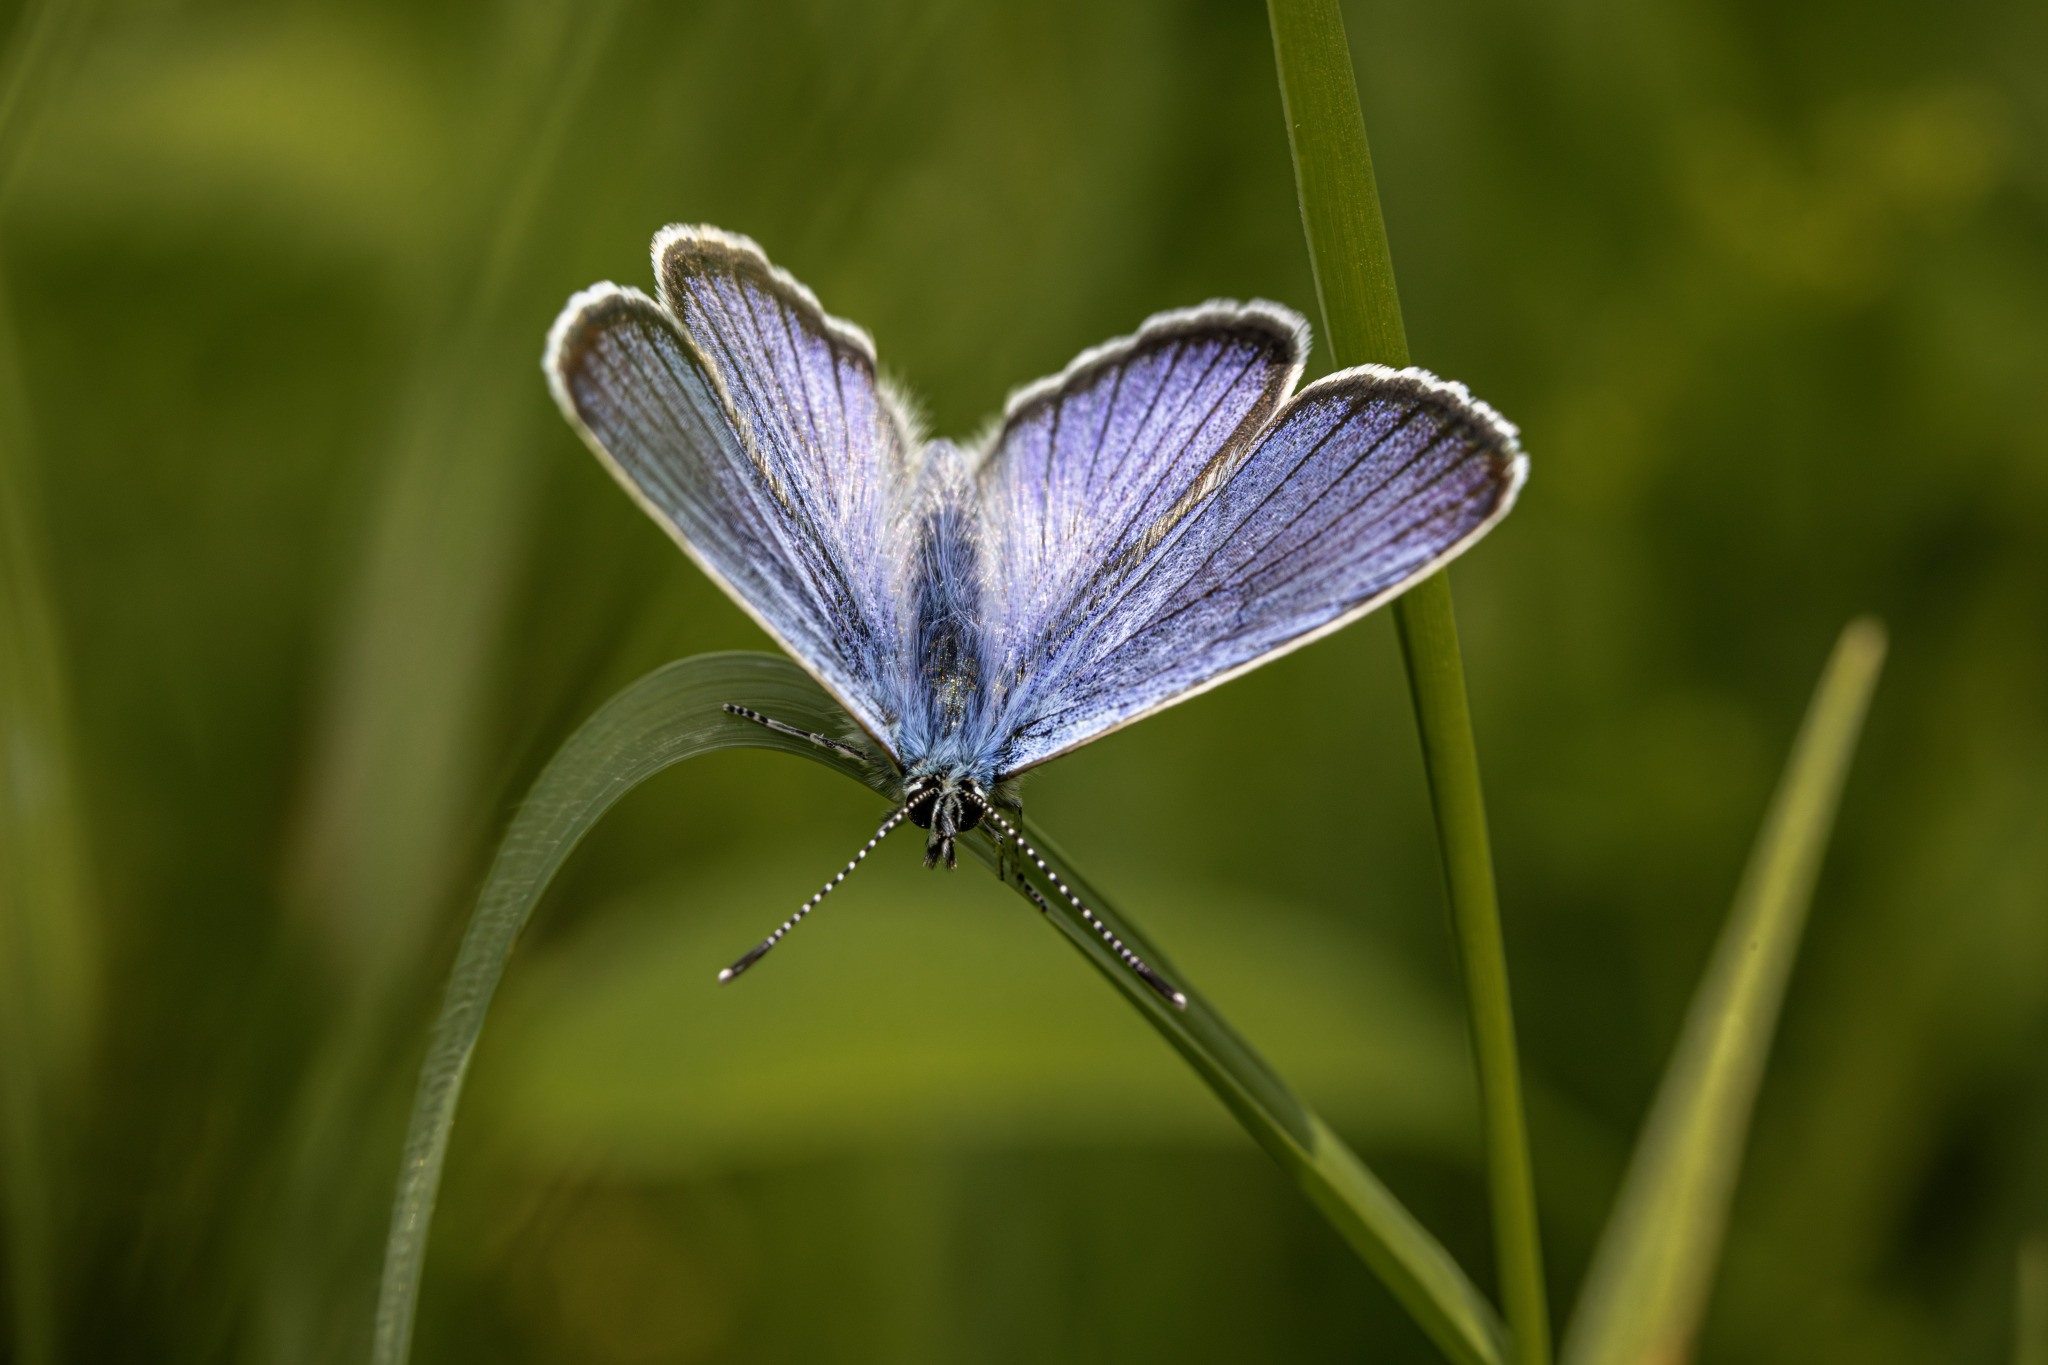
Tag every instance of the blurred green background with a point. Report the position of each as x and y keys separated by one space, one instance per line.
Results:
x=305 y=578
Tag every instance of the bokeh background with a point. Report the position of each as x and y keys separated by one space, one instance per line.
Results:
x=305 y=578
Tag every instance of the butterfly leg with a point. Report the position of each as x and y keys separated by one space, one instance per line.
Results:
x=1009 y=862
x=1138 y=965
x=781 y=728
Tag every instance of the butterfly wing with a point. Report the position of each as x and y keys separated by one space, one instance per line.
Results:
x=1095 y=465
x=1365 y=482
x=749 y=424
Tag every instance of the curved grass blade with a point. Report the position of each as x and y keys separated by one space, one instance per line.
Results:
x=677 y=712
x=674 y=713
x=1647 y=1290
x=1354 y=271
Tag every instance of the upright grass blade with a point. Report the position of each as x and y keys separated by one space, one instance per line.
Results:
x=48 y=937
x=48 y=933
x=1340 y=201
x=1354 y=270
x=678 y=712
x=1436 y=678
x=1647 y=1290
x=2030 y=1303
x=46 y=35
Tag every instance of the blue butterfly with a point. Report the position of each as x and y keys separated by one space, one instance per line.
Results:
x=1157 y=518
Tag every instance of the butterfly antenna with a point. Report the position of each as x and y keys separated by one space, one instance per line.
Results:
x=785 y=728
x=760 y=950
x=1130 y=959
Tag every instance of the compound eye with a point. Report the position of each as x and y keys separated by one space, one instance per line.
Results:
x=969 y=815
x=922 y=806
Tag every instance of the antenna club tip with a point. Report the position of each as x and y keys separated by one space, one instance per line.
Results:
x=726 y=974
x=1179 y=1001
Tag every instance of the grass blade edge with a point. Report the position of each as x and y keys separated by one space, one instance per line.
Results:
x=1647 y=1289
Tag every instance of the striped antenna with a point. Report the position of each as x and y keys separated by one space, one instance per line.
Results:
x=784 y=728
x=1130 y=959
x=760 y=950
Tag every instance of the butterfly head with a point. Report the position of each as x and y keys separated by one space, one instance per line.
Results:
x=948 y=804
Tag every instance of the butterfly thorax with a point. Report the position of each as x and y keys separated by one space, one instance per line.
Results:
x=944 y=724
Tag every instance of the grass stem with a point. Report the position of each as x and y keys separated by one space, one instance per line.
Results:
x=1436 y=678
x=49 y=933
x=2030 y=1315
x=1646 y=1292
x=1347 y=238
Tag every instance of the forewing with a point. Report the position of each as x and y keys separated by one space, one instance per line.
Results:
x=750 y=425
x=1095 y=465
x=1366 y=482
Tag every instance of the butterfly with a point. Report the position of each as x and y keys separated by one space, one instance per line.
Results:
x=1162 y=515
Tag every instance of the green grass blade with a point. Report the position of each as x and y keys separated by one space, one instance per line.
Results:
x=46 y=37
x=670 y=715
x=1354 y=270
x=1407 y=1259
x=1436 y=679
x=676 y=713
x=2030 y=1303
x=1340 y=201
x=1647 y=1289
x=49 y=936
